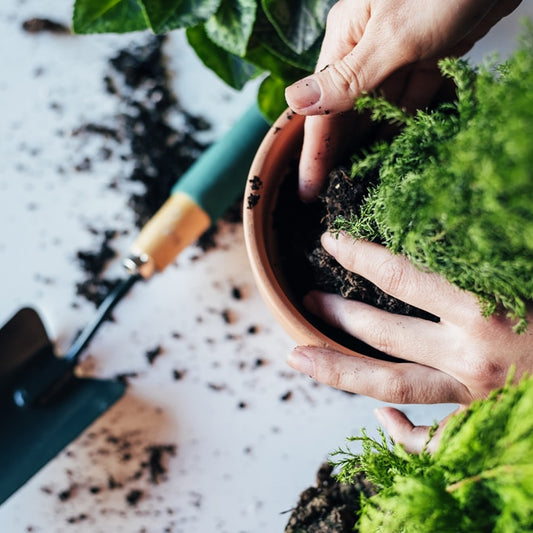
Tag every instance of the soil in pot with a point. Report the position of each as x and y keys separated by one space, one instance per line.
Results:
x=307 y=266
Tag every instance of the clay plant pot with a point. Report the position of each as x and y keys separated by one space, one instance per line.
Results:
x=278 y=149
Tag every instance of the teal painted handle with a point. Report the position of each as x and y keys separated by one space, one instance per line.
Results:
x=218 y=177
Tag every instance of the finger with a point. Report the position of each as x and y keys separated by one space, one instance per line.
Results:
x=327 y=139
x=415 y=439
x=330 y=138
x=383 y=380
x=408 y=338
x=398 y=277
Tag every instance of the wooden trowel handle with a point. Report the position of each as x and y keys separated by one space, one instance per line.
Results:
x=200 y=196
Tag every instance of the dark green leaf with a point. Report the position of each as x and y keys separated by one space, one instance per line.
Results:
x=306 y=61
x=166 y=15
x=271 y=98
x=231 y=26
x=231 y=69
x=101 y=16
x=263 y=58
x=299 y=23
x=265 y=34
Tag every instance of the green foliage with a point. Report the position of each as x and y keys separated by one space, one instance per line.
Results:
x=237 y=39
x=479 y=479
x=455 y=186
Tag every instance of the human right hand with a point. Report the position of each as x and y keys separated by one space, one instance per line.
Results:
x=365 y=42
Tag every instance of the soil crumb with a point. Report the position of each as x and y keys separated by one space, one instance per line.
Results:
x=41 y=25
x=152 y=354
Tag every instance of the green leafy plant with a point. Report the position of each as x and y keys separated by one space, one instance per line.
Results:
x=479 y=479
x=454 y=192
x=237 y=39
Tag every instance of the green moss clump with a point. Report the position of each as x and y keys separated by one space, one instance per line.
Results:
x=479 y=479
x=455 y=191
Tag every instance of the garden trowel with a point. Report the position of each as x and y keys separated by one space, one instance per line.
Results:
x=43 y=404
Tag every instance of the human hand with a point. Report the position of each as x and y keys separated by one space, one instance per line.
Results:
x=456 y=360
x=365 y=42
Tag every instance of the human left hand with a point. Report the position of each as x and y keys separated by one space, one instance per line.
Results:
x=462 y=357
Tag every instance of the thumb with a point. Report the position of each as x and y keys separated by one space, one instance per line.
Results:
x=336 y=86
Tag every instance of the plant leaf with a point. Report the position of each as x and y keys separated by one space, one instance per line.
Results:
x=271 y=98
x=102 y=16
x=263 y=58
x=265 y=34
x=231 y=26
x=166 y=15
x=299 y=23
x=233 y=70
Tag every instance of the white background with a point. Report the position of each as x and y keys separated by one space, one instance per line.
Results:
x=236 y=469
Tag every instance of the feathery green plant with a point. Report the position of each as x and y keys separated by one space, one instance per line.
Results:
x=479 y=479
x=455 y=190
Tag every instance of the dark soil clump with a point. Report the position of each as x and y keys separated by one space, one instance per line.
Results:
x=40 y=25
x=155 y=461
x=330 y=506
x=94 y=287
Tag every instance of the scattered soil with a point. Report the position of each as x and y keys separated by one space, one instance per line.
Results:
x=329 y=506
x=308 y=266
x=40 y=25
x=159 y=152
x=93 y=262
x=129 y=464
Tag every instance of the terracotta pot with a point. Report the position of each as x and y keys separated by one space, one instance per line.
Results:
x=281 y=144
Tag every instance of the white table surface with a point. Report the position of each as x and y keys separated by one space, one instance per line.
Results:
x=243 y=454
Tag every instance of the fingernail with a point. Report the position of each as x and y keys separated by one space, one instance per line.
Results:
x=303 y=93
x=301 y=362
